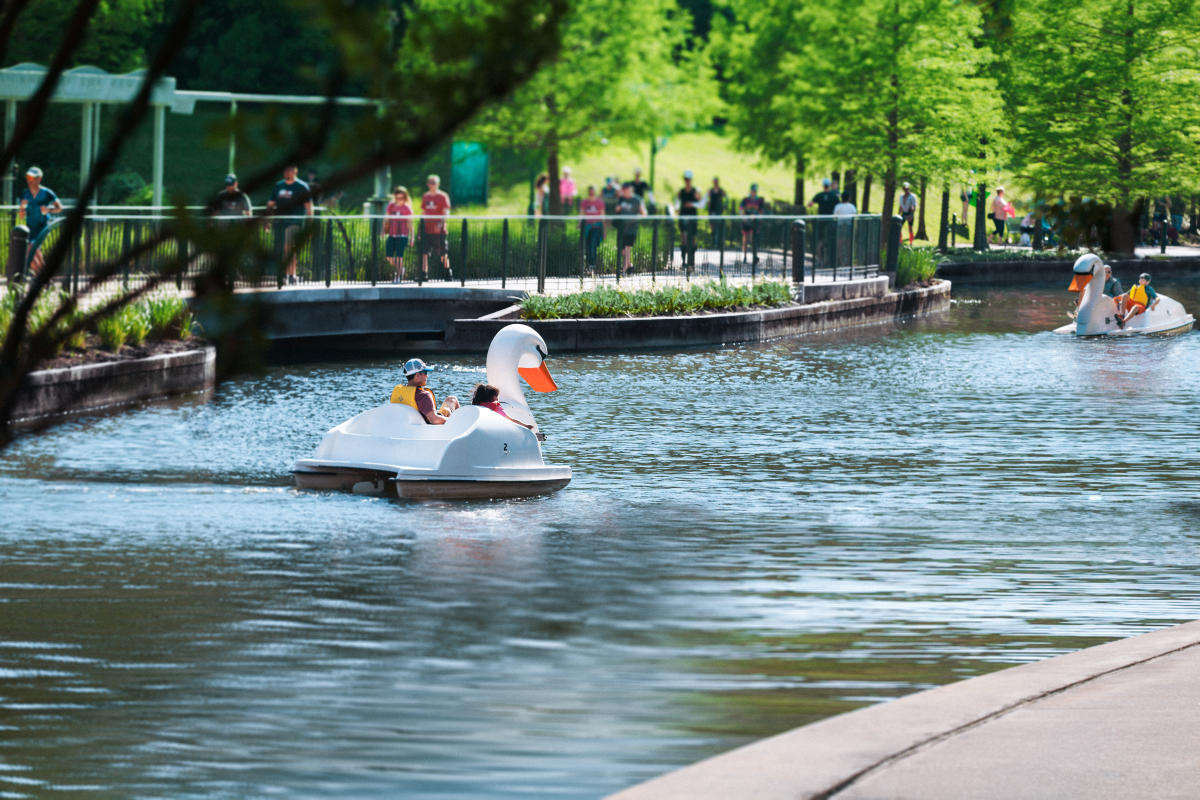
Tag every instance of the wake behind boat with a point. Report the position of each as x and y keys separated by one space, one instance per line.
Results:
x=477 y=453
x=1099 y=315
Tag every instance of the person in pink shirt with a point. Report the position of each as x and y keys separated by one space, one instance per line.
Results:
x=435 y=205
x=488 y=396
x=591 y=227
x=397 y=227
x=567 y=190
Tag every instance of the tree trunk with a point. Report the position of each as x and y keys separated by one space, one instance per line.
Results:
x=866 y=205
x=852 y=185
x=552 y=171
x=798 y=195
x=944 y=228
x=889 y=200
x=836 y=176
x=981 y=242
x=921 y=233
x=552 y=158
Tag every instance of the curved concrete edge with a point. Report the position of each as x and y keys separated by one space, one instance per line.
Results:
x=308 y=293
x=824 y=758
x=51 y=394
x=580 y=335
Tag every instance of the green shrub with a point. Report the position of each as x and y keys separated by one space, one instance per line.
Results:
x=111 y=330
x=169 y=317
x=916 y=264
x=608 y=301
x=135 y=318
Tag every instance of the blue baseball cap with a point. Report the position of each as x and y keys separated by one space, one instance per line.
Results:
x=415 y=365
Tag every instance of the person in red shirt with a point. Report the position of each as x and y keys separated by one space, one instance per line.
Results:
x=397 y=227
x=435 y=205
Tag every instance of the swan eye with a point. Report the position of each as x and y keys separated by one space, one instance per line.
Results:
x=541 y=352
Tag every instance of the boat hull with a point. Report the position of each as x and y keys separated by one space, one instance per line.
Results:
x=385 y=483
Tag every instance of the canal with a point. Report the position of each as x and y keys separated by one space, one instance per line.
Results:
x=757 y=536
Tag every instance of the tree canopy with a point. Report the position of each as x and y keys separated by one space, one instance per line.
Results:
x=1103 y=97
x=622 y=74
x=890 y=88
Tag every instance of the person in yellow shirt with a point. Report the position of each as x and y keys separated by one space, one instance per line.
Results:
x=416 y=394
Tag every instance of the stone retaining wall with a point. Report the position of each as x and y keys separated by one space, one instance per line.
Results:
x=574 y=335
x=1045 y=270
x=53 y=393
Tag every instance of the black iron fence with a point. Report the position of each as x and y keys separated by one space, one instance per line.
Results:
x=529 y=252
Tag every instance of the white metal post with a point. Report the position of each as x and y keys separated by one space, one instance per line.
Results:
x=85 y=147
x=232 y=137
x=10 y=127
x=160 y=118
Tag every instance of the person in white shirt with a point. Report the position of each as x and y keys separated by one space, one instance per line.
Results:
x=846 y=207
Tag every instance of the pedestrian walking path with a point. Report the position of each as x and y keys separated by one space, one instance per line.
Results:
x=1121 y=720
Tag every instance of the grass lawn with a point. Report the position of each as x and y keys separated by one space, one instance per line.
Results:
x=707 y=153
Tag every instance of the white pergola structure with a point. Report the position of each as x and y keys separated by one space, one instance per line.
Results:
x=93 y=88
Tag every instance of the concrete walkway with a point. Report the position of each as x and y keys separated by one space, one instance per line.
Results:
x=1121 y=720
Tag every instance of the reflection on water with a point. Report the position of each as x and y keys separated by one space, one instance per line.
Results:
x=756 y=537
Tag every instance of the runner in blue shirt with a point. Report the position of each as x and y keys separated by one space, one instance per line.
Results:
x=37 y=204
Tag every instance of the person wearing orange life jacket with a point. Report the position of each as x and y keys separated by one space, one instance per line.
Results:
x=1140 y=297
x=417 y=395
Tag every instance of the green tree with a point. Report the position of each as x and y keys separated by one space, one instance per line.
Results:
x=761 y=55
x=1102 y=97
x=116 y=40
x=896 y=89
x=624 y=72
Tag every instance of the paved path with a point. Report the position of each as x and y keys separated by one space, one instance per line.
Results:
x=1121 y=720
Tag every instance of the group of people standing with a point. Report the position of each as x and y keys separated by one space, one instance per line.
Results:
x=624 y=201
x=292 y=201
x=397 y=229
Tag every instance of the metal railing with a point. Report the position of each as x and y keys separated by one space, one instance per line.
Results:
x=520 y=251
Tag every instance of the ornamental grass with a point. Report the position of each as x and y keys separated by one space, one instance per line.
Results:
x=608 y=301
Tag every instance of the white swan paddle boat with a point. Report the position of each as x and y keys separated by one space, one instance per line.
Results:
x=1097 y=312
x=391 y=450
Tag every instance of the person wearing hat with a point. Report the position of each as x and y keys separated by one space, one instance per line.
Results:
x=232 y=201
x=826 y=199
x=689 y=201
x=751 y=206
x=1140 y=297
x=908 y=209
x=609 y=194
x=416 y=394
x=37 y=203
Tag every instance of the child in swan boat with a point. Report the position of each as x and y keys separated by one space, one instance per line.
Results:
x=488 y=396
x=1140 y=297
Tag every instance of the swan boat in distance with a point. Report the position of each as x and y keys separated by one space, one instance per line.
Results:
x=1097 y=312
x=390 y=450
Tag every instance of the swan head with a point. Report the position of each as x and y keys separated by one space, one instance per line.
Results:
x=1087 y=267
x=518 y=350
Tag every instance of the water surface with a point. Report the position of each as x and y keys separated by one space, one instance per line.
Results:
x=757 y=536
